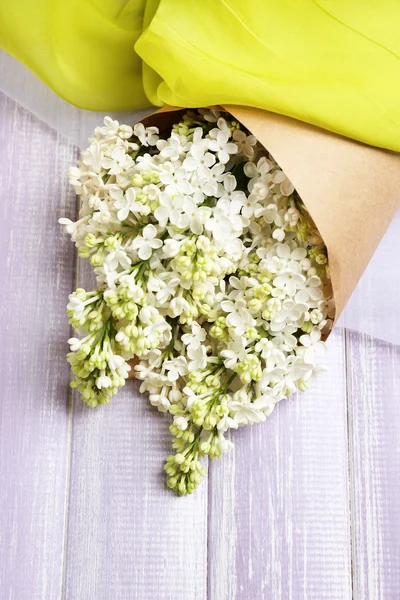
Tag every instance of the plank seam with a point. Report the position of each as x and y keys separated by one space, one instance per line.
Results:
x=208 y=536
x=67 y=498
x=350 y=452
x=69 y=450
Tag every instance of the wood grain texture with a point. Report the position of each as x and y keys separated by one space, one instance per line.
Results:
x=305 y=499
x=76 y=124
x=128 y=536
x=374 y=428
x=279 y=507
x=36 y=268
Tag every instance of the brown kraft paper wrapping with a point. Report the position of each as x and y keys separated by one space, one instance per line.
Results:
x=351 y=190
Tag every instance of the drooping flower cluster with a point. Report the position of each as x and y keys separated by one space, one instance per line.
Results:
x=210 y=271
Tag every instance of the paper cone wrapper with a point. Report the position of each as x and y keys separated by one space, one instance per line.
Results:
x=351 y=190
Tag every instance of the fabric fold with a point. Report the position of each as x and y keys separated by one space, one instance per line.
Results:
x=330 y=66
x=333 y=64
x=83 y=50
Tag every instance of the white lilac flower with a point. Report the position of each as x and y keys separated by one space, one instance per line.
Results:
x=70 y=226
x=74 y=344
x=197 y=357
x=279 y=234
x=272 y=378
x=290 y=282
x=195 y=338
x=118 y=257
x=103 y=381
x=313 y=345
x=226 y=222
x=177 y=306
x=191 y=397
x=176 y=367
x=198 y=188
x=234 y=352
x=270 y=213
x=181 y=423
x=176 y=183
x=226 y=423
x=113 y=129
x=173 y=148
x=285 y=340
x=199 y=157
x=160 y=401
x=245 y=412
x=223 y=147
x=167 y=290
x=311 y=290
x=147 y=242
x=220 y=225
x=119 y=364
x=228 y=191
x=77 y=304
x=117 y=161
x=210 y=273
x=148 y=136
x=251 y=207
x=239 y=317
x=240 y=285
x=171 y=208
x=211 y=178
x=126 y=203
x=171 y=248
x=286 y=187
x=245 y=142
x=211 y=115
x=92 y=157
x=158 y=330
x=197 y=216
x=270 y=352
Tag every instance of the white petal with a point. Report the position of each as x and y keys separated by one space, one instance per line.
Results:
x=231 y=148
x=123 y=214
x=190 y=164
x=229 y=182
x=130 y=195
x=144 y=252
x=196 y=226
x=155 y=243
x=223 y=157
x=149 y=232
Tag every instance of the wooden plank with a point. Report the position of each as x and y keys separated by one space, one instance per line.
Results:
x=278 y=518
x=76 y=124
x=279 y=508
x=374 y=432
x=128 y=536
x=36 y=269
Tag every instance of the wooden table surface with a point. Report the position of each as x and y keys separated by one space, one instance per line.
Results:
x=305 y=507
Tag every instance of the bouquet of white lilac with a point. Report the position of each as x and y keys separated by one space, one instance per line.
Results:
x=210 y=273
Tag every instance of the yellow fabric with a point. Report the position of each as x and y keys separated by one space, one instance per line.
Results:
x=333 y=63
x=82 y=49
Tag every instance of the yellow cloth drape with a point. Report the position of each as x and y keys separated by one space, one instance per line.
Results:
x=82 y=49
x=333 y=63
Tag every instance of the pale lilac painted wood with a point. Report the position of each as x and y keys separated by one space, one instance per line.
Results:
x=36 y=271
x=374 y=428
x=279 y=524
x=277 y=509
x=74 y=123
x=128 y=536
